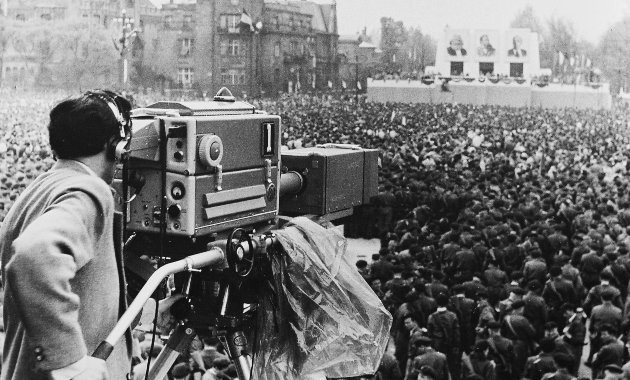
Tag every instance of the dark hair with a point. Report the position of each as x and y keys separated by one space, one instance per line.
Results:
x=547 y=345
x=83 y=125
x=563 y=360
x=441 y=299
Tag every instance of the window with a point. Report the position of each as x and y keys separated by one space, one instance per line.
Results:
x=291 y=23
x=186 y=47
x=234 y=47
x=231 y=23
x=275 y=22
x=294 y=47
x=457 y=68
x=276 y=49
x=516 y=70
x=20 y=17
x=168 y=21
x=185 y=76
x=223 y=47
x=187 y=21
x=46 y=16
x=233 y=76
x=486 y=68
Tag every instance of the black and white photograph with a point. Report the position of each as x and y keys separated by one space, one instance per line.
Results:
x=314 y=190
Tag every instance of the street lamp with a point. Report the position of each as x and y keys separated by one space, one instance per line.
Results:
x=128 y=32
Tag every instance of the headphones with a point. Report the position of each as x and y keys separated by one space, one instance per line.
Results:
x=121 y=109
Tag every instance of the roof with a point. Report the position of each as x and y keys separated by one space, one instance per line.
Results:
x=324 y=15
x=367 y=45
x=349 y=38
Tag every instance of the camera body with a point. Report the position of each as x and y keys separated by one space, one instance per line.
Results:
x=204 y=167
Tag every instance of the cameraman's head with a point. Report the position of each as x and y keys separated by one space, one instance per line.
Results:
x=88 y=128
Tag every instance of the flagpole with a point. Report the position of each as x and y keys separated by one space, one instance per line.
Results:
x=356 y=75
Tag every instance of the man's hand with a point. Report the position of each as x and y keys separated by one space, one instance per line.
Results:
x=166 y=321
x=96 y=370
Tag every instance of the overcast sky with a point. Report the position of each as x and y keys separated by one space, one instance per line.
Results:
x=591 y=18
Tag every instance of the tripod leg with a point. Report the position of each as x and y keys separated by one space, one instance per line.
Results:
x=177 y=344
x=236 y=346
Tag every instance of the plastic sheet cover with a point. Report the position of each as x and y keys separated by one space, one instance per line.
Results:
x=322 y=316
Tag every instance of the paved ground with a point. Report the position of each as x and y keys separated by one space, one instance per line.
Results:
x=363 y=248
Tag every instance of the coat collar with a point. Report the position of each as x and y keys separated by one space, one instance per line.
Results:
x=74 y=165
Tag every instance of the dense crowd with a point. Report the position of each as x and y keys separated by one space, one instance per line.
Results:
x=503 y=230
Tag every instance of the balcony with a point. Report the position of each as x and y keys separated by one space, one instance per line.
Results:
x=297 y=58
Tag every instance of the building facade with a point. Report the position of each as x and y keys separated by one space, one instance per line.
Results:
x=252 y=47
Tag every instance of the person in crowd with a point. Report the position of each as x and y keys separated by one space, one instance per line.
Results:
x=479 y=363
x=428 y=357
x=538 y=365
x=562 y=362
x=611 y=351
x=604 y=316
x=558 y=291
x=443 y=328
x=536 y=309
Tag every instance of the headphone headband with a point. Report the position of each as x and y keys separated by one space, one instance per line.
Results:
x=119 y=145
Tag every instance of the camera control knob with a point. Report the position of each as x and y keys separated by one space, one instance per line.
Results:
x=174 y=211
x=210 y=150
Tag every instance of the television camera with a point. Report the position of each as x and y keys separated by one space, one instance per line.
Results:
x=210 y=179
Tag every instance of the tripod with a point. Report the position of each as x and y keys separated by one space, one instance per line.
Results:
x=241 y=250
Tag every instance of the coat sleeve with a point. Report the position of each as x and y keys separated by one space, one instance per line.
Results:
x=46 y=257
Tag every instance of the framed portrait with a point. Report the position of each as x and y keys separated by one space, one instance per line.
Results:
x=517 y=45
x=457 y=45
x=486 y=45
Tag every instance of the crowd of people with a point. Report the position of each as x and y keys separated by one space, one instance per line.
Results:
x=505 y=232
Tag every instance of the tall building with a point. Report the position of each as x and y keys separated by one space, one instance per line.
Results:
x=250 y=46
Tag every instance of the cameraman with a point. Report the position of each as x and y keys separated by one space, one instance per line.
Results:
x=62 y=265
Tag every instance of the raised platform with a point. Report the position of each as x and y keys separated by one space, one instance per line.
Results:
x=503 y=94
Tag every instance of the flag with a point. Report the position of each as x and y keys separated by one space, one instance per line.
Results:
x=393 y=116
x=394 y=58
x=246 y=21
x=572 y=61
x=359 y=85
x=404 y=120
x=588 y=62
x=185 y=50
x=343 y=84
x=329 y=84
x=560 y=58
